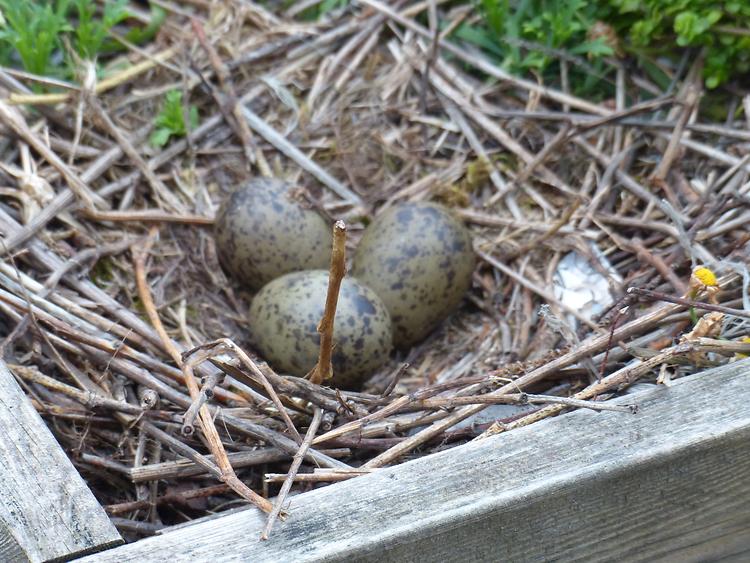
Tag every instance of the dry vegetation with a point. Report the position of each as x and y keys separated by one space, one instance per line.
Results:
x=107 y=238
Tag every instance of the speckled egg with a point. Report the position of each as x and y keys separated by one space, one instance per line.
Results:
x=284 y=317
x=262 y=232
x=419 y=259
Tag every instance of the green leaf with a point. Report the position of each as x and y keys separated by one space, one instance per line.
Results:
x=713 y=16
x=656 y=74
x=596 y=48
x=160 y=137
x=534 y=60
x=479 y=37
x=629 y=6
x=140 y=35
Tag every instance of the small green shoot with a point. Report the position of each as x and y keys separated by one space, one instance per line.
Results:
x=140 y=35
x=34 y=30
x=693 y=314
x=171 y=122
x=91 y=32
x=33 y=33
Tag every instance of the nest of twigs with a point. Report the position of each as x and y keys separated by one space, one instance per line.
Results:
x=110 y=272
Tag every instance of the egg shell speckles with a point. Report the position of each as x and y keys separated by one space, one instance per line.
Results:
x=419 y=259
x=284 y=317
x=262 y=233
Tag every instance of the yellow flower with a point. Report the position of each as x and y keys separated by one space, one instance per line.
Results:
x=705 y=276
x=703 y=280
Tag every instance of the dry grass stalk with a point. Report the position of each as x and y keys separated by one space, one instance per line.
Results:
x=102 y=86
x=625 y=376
x=13 y=119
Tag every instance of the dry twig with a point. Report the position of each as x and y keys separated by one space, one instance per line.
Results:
x=227 y=474
x=296 y=462
x=323 y=370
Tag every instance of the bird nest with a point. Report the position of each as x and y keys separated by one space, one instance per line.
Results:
x=132 y=344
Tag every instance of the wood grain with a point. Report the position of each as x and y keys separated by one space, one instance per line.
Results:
x=671 y=483
x=46 y=510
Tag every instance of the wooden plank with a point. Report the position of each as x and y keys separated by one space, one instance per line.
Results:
x=669 y=483
x=46 y=510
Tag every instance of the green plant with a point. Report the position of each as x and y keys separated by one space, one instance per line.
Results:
x=719 y=29
x=34 y=30
x=171 y=120
x=548 y=24
x=533 y=35
x=90 y=31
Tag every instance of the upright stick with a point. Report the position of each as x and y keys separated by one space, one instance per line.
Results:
x=323 y=369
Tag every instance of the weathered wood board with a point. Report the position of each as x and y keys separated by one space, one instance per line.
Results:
x=669 y=483
x=46 y=510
